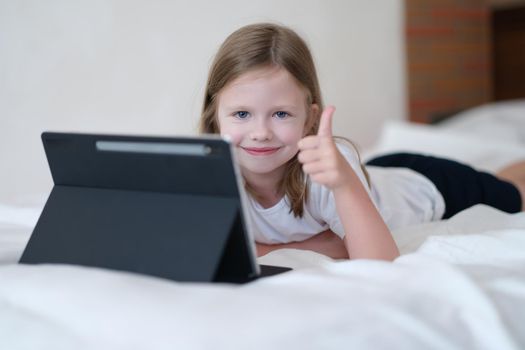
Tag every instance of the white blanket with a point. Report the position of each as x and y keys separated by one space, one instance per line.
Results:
x=459 y=285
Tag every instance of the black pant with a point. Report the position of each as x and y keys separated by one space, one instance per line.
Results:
x=460 y=185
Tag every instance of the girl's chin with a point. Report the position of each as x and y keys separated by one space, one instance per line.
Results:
x=261 y=171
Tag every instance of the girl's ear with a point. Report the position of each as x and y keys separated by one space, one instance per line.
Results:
x=313 y=117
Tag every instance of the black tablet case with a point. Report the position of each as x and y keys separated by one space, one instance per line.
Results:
x=167 y=215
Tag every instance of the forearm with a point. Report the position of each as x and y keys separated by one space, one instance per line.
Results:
x=366 y=234
x=326 y=243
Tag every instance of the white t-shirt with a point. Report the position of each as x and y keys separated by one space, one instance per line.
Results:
x=402 y=196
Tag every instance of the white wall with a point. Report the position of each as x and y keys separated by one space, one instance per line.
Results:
x=139 y=66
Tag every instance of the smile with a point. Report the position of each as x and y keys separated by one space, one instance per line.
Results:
x=262 y=151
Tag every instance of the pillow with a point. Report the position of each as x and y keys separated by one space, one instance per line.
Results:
x=482 y=152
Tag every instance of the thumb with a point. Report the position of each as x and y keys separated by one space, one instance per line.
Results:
x=325 y=124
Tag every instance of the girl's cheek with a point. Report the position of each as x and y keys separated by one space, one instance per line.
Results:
x=291 y=135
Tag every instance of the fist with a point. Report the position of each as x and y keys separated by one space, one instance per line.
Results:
x=320 y=157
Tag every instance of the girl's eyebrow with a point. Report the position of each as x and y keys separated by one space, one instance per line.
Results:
x=285 y=107
x=237 y=107
x=244 y=107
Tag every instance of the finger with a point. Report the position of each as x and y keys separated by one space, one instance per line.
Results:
x=308 y=142
x=325 y=125
x=309 y=155
x=314 y=168
x=322 y=177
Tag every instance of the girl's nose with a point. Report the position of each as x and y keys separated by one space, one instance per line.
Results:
x=261 y=132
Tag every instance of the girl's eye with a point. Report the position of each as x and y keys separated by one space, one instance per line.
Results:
x=241 y=114
x=281 y=114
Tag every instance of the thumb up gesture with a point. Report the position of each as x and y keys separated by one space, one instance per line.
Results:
x=320 y=157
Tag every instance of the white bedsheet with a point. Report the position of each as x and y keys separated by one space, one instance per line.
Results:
x=459 y=285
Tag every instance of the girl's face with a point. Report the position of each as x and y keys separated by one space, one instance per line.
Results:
x=264 y=113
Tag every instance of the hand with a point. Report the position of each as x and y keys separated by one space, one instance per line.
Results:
x=320 y=157
x=326 y=242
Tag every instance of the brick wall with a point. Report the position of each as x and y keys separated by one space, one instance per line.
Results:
x=448 y=56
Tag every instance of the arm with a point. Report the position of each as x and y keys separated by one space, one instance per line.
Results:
x=366 y=234
x=326 y=242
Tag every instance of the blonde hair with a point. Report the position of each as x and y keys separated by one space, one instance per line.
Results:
x=258 y=46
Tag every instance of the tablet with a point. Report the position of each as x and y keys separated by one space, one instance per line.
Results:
x=171 y=207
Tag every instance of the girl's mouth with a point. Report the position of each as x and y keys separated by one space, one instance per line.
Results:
x=260 y=151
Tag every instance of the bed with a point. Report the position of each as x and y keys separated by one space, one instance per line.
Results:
x=459 y=283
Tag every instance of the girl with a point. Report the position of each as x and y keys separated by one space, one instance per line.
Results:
x=303 y=187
